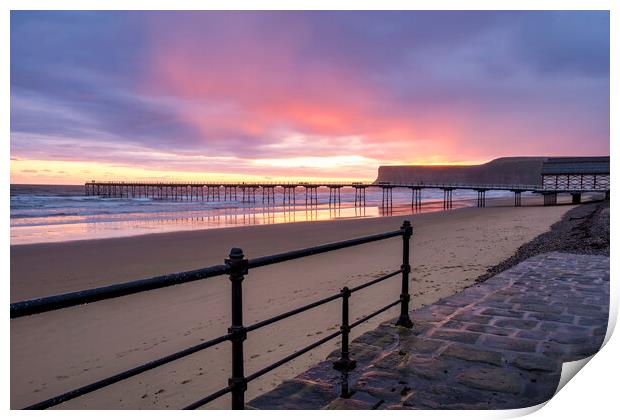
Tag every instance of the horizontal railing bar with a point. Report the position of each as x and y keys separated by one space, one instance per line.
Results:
x=51 y=303
x=125 y=375
x=300 y=184
x=375 y=281
x=374 y=314
x=292 y=255
x=209 y=398
x=292 y=356
x=293 y=312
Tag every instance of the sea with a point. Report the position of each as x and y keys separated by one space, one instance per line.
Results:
x=59 y=213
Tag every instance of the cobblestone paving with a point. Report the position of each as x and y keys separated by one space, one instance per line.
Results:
x=497 y=345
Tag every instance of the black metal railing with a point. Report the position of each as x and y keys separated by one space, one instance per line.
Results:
x=237 y=267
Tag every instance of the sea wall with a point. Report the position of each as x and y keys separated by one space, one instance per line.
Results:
x=507 y=170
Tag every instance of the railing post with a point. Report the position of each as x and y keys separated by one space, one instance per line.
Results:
x=404 y=320
x=344 y=365
x=238 y=269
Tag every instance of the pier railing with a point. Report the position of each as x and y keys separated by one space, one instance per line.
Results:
x=237 y=268
x=317 y=184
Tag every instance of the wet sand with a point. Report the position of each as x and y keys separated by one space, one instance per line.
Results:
x=61 y=350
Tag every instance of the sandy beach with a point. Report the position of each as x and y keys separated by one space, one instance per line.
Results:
x=61 y=350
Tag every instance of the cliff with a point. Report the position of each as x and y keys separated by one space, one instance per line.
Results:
x=507 y=170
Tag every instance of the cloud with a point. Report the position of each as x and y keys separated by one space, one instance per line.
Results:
x=231 y=91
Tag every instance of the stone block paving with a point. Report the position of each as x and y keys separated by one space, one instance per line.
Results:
x=497 y=345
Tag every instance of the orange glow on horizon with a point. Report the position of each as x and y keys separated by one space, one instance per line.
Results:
x=77 y=173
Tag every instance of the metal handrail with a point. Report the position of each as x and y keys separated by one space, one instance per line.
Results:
x=236 y=266
x=313 y=184
x=66 y=300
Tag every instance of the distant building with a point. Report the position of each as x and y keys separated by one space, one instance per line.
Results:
x=576 y=173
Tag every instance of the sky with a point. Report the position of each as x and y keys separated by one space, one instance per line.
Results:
x=148 y=95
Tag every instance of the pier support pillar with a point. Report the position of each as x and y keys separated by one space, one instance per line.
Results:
x=517 y=198
x=550 y=199
x=248 y=194
x=447 y=198
x=268 y=194
x=334 y=195
x=386 y=197
x=360 y=196
x=311 y=196
x=416 y=198
x=288 y=194
x=482 y=198
x=576 y=198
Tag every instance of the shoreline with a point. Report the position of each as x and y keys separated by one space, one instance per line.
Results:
x=140 y=224
x=87 y=343
x=399 y=210
x=249 y=226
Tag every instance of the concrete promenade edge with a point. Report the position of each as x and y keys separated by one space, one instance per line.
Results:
x=496 y=345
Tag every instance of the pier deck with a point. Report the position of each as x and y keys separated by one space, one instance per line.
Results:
x=247 y=192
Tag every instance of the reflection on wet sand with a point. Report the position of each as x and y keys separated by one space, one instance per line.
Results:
x=139 y=224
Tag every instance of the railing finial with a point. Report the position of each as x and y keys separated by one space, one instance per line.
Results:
x=408 y=228
x=235 y=254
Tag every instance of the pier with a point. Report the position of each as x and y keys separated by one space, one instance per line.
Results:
x=247 y=192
